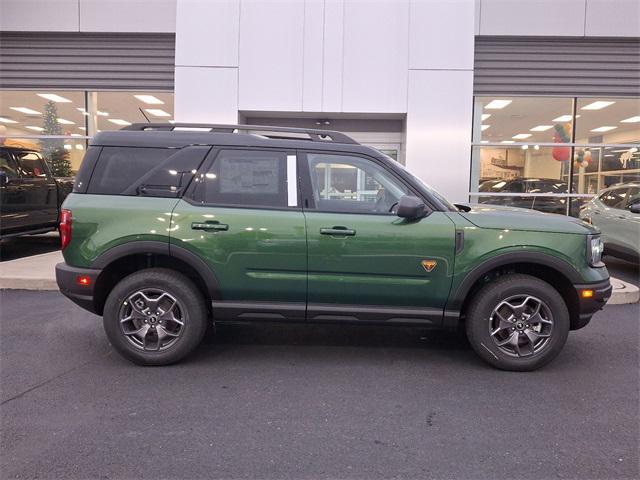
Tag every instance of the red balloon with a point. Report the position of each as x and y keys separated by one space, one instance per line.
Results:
x=561 y=154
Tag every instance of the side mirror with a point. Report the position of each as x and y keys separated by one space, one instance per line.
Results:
x=411 y=207
x=3 y=178
x=635 y=207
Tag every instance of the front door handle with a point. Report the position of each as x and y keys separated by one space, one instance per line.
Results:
x=338 y=230
x=210 y=226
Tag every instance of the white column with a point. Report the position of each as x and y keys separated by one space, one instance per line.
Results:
x=440 y=94
x=207 y=51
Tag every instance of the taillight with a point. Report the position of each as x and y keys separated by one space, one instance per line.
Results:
x=65 y=227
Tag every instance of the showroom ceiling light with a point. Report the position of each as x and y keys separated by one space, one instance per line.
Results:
x=53 y=97
x=157 y=112
x=80 y=109
x=82 y=128
x=102 y=114
x=484 y=127
x=485 y=116
x=25 y=110
x=119 y=121
x=598 y=105
x=521 y=136
x=497 y=104
x=149 y=99
x=507 y=141
x=7 y=120
x=541 y=128
x=635 y=119
x=65 y=122
x=564 y=118
x=603 y=129
x=37 y=129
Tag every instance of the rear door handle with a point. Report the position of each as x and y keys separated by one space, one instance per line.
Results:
x=210 y=226
x=338 y=230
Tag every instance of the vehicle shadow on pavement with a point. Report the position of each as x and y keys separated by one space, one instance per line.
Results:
x=20 y=247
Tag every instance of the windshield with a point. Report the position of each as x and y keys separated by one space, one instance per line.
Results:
x=432 y=191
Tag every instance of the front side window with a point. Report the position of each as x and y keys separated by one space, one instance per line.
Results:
x=8 y=166
x=350 y=184
x=31 y=165
x=614 y=198
x=250 y=178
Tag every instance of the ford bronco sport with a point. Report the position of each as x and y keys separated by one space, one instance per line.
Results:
x=173 y=227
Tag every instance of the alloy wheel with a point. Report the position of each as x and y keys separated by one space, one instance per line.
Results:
x=521 y=325
x=151 y=319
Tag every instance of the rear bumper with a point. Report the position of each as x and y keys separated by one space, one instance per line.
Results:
x=67 y=279
x=589 y=306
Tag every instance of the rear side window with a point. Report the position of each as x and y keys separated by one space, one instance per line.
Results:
x=248 y=178
x=120 y=167
x=31 y=165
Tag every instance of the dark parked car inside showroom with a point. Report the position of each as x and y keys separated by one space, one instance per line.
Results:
x=528 y=186
x=30 y=197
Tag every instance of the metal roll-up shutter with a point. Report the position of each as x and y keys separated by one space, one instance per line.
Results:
x=557 y=66
x=87 y=61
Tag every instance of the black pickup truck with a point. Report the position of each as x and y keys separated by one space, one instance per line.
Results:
x=30 y=197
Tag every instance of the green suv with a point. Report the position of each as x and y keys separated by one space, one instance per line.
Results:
x=172 y=228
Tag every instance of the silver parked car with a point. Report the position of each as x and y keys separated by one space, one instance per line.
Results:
x=616 y=211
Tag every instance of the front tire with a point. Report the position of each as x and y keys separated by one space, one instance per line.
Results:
x=155 y=317
x=517 y=322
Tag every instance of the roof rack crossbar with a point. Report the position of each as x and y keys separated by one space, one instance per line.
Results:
x=314 y=134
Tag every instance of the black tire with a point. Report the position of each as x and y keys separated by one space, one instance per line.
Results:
x=192 y=310
x=514 y=286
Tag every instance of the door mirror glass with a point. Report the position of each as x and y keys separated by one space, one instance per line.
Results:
x=3 y=178
x=411 y=207
x=635 y=207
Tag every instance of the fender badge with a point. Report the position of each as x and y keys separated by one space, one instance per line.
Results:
x=429 y=265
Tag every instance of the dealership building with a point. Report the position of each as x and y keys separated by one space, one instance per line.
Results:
x=509 y=98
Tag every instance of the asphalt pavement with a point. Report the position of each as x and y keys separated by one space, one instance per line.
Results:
x=282 y=401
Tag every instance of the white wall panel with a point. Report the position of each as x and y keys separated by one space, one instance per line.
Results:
x=613 y=18
x=441 y=34
x=375 y=56
x=206 y=95
x=312 y=56
x=39 y=15
x=532 y=17
x=333 y=56
x=271 y=50
x=207 y=33
x=127 y=15
x=439 y=129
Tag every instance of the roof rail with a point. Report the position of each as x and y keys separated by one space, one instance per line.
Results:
x=313 y=134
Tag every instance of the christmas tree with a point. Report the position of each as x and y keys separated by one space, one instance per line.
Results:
x=53 y=149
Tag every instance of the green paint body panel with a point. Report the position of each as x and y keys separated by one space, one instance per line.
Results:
x=101 y=222
x=382 y=263
x=261 y=257
x=280 y=255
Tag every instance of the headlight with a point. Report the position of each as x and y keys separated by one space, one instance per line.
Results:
x=595 y=247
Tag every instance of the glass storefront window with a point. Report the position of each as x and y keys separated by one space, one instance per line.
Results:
x=58 y=123
x=513 y=163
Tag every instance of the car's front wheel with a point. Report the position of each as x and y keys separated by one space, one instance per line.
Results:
x=155 y=317
x=517 y=322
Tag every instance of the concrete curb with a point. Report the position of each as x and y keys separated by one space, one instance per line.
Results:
x=38 y=273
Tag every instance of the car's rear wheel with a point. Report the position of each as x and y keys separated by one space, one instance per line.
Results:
x=517 y=322
x=155 y=317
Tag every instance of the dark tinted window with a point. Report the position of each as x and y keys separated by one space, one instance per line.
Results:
x=633 y=196
x=247 y=177
x=8 y=165
x=614 y=198
x=86 y=169
x=119 y=168
x=31 y=165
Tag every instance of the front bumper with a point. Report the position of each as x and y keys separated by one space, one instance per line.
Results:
x=67 y=279
x=590 y=305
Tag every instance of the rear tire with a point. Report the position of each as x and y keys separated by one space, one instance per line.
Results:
x=517 y=322
x=155 y=317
